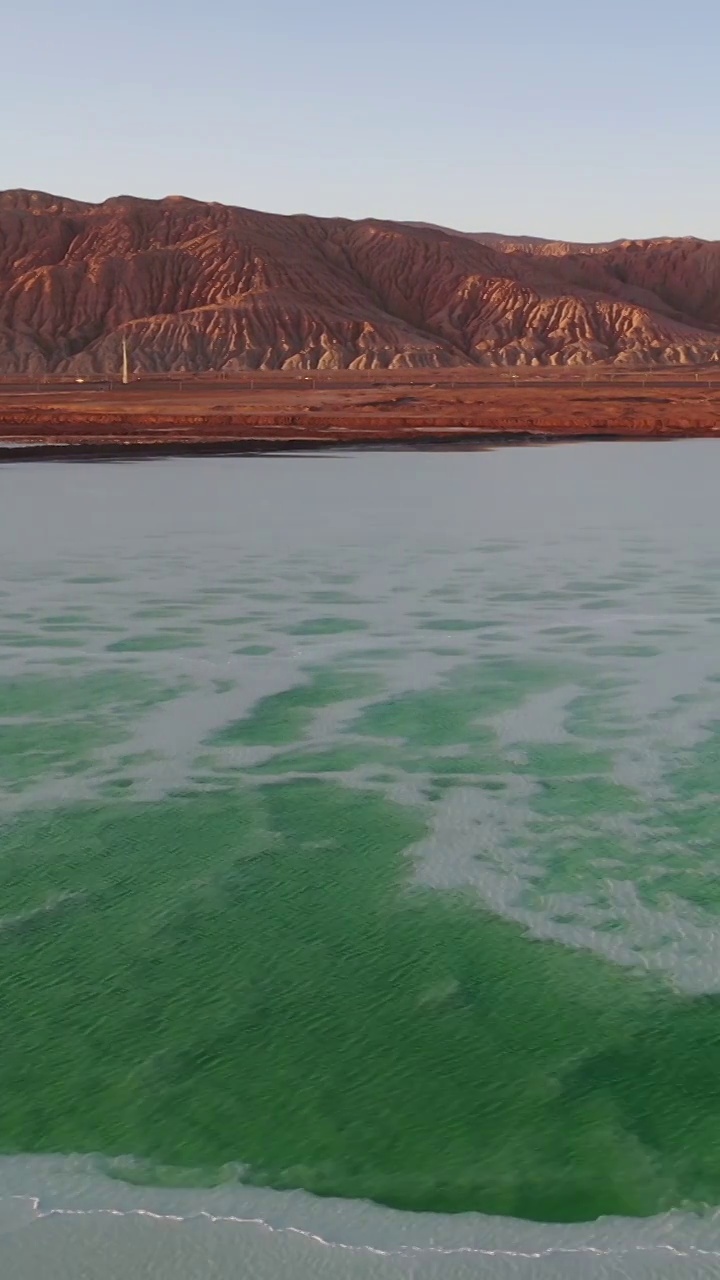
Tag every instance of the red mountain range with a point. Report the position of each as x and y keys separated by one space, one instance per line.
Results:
x=195 y=286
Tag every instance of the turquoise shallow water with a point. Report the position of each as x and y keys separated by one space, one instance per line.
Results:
x=359 y=828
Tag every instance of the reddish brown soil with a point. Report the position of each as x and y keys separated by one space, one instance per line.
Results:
x=419 y=407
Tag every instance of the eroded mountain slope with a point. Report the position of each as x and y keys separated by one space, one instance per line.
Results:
x=195 y=286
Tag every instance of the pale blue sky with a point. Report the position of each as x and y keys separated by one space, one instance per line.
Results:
x=578 y=120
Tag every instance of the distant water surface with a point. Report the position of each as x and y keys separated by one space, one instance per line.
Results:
x=359 y=871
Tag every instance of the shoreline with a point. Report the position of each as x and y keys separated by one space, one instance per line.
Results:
x=400 y=409
x=117 y=449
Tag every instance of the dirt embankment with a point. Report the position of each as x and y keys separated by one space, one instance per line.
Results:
x=357 y=408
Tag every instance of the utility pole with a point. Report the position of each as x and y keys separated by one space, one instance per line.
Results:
x=125 y=370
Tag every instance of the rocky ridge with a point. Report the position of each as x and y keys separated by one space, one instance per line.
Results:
x=193 y=286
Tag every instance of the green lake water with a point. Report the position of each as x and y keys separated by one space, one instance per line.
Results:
x=360 y=826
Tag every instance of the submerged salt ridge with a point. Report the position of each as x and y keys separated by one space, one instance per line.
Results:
x=603 y=655
x=525 y=699
x=79 y=1209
